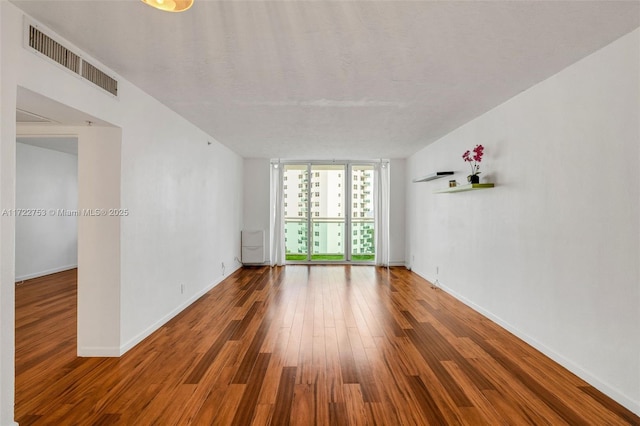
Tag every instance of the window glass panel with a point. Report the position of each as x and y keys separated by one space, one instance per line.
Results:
x=328 y=212
x=363 y=248
x=318 y=196
x=295 y=213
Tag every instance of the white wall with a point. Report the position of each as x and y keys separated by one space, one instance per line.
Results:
x=7 y=289
x=184 y=199
x=99 y=264
x=257 y=176
x=45 y=180
x=100 y=238
x=185 y=203
x=552 y=252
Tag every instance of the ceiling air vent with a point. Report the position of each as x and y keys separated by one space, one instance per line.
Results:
x=52 y=49
x=99 y=78
x=40 y=42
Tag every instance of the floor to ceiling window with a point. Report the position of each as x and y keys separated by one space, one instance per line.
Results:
x=362 y=219
x=296 y=211
x=328 y=212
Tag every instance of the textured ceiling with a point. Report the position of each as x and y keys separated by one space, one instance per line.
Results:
x=336 y=79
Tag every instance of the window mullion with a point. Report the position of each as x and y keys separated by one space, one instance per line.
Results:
x=309 y=225
x=347 y=212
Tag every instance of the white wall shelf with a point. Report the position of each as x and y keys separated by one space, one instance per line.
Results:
x=432 y=176
x=469 y=187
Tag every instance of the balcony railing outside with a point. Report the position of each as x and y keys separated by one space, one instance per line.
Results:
x=295 y=238
x=328 y=239
x=362 y=230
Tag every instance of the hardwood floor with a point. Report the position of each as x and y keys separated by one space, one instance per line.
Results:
x=298 y=345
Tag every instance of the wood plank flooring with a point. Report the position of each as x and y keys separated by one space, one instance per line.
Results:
x=298 y=345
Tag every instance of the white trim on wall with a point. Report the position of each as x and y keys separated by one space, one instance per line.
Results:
x=586 y=375
x=44 y=273
x=155 y=326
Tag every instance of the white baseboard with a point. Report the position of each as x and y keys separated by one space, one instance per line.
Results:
x=585 y=375
x=155 y=326
x=43 y=273
x=99 y=351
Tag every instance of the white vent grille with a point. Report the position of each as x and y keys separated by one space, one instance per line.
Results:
x=54 y=50
x=99 y=78
x=40 y=42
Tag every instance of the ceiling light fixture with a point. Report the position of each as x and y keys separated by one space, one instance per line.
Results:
x=170 y=5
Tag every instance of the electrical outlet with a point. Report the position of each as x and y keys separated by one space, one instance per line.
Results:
x=181 y=288
x=437 y=270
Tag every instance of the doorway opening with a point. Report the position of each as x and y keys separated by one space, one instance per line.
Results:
x=46 y=235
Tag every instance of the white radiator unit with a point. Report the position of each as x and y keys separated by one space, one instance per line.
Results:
x=252 y=247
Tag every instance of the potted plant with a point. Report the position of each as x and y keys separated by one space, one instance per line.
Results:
x=474 y=157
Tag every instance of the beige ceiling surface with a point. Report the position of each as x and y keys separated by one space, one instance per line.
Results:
x=336 y=79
